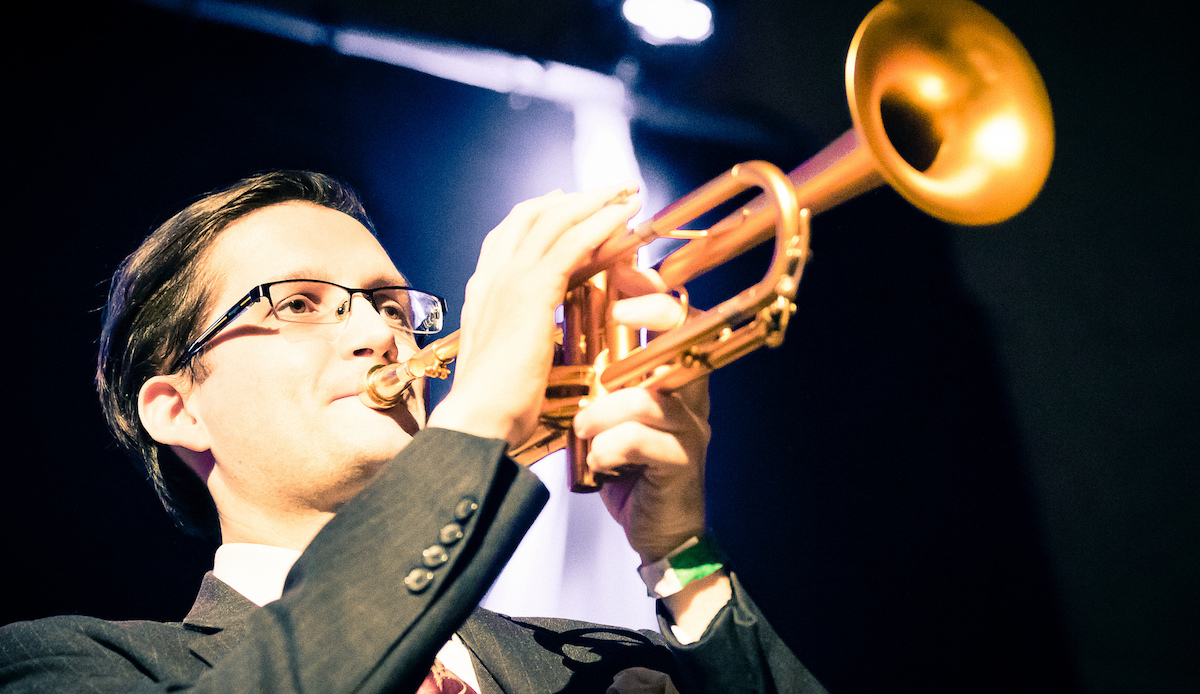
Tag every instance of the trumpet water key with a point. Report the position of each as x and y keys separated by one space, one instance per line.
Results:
x=948 y=109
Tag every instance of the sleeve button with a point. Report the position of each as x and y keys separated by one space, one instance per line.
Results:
x=465 y=509
x=450 y=533
x=418 y=580
x=434 y=556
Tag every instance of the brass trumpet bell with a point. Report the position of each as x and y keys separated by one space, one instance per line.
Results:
x=952 y=109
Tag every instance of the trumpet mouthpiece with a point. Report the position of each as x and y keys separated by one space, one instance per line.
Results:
x=383 y=385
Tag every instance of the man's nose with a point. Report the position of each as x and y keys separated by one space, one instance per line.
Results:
x=366 y=333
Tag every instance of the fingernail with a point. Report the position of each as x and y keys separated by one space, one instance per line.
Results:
x=627 y=191
x=625 y=198
x=580 y=427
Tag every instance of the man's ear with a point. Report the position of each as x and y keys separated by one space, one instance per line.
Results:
x=163 y=409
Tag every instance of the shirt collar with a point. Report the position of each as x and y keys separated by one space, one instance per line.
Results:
x=256 y=571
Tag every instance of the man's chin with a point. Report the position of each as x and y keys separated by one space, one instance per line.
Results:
x=370 y=456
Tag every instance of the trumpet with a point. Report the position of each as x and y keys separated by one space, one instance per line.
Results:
x=947 y=108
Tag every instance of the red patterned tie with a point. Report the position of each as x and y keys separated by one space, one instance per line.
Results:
x=442 y=681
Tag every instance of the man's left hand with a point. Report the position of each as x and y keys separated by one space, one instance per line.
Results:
x=650 y=444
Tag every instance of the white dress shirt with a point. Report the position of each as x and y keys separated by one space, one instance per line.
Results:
x=258 y=572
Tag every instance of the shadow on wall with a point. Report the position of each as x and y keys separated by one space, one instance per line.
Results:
x=868 y=477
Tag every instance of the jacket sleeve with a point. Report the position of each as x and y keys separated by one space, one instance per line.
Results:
x=739 y=652
x=365 y=609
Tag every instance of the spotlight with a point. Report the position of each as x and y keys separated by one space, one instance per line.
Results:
x=661 y=22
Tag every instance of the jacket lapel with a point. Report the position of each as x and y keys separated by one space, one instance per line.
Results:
x=489 y=638
x=220 y=613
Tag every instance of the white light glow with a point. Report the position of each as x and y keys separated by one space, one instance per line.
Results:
x=1002 y=140
x=603 y=147
x=932 y=89
x=669 y=21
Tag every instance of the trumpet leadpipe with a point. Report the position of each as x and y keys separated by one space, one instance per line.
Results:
x=383 y=385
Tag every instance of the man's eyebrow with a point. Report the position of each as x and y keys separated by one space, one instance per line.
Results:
x=396 y=280
x=304 y=274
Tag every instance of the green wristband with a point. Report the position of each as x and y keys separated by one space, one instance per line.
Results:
x=695 y=559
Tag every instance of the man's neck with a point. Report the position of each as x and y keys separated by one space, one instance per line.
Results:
x=255 y=527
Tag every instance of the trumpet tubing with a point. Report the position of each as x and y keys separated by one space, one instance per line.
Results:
x=948 y=109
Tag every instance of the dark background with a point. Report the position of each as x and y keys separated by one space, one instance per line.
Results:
x=970 y=468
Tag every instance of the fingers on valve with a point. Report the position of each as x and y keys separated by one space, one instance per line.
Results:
x=636 y=281
x=656 y=312
x=659 y=410
x=635 y=444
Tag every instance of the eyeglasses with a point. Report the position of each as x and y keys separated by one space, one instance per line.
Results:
x=405 y=310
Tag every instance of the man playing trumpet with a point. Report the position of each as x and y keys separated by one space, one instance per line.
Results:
x=357 y=542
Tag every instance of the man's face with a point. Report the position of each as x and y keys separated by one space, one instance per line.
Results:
x=279 y=405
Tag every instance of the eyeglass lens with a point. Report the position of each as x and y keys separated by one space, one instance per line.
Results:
x=310 y=301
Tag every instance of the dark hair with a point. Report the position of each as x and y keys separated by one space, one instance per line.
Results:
x=158 y=303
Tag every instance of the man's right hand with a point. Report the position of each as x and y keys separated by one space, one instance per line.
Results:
x=507 y=330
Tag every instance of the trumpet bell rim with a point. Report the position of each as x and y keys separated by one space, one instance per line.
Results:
x=952 y=108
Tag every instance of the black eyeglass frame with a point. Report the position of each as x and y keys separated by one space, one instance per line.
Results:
x=262 y=291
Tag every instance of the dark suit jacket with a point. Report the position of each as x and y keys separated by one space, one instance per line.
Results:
x=362 y=611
